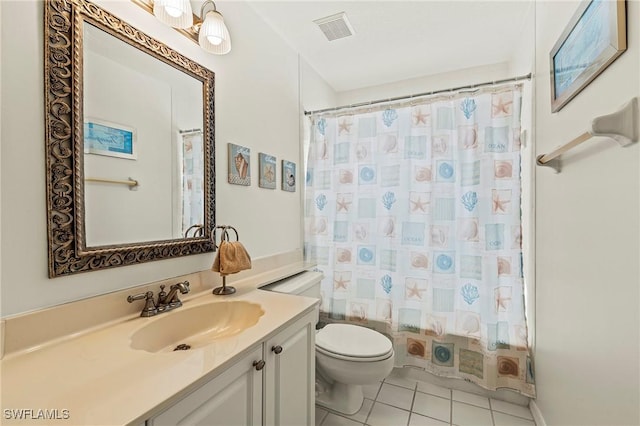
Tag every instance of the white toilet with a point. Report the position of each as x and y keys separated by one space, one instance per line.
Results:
x=347 y=356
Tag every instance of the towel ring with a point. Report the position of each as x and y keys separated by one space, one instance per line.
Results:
x=224 y=236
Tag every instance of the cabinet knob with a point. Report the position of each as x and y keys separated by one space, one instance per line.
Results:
x=277 y=349
x=259 y=365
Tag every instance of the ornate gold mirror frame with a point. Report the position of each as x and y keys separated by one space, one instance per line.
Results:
x=64 y=133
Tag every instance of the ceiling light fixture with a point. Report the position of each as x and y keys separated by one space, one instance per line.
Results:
x=208 y=30
x=213 y=35
x=175 y=13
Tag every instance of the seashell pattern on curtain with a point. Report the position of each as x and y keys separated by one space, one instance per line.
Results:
x=413 y=215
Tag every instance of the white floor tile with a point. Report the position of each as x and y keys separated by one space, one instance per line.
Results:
x=361 y=415
x=386 y=415
x=397 y=378
x=501 y=419
x=418 y=420
x=321 y=413
x=335 y=420
x=513 y=409
x=434 y=389
x=470 y=398
x=432 y=406
x=470 y=415
x=395 y=395
x=371 y=391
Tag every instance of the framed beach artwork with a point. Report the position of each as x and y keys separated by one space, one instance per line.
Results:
x=110 y=139
x=593 y=39
x=288 y=176
x=267 y=171
x=239 y=165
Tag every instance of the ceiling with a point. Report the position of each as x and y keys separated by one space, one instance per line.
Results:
x=397 y=40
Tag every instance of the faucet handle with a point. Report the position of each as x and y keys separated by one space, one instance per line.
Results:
x=150 y=307
x=162 y=294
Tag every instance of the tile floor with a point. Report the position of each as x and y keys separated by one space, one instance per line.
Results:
x=398 y=401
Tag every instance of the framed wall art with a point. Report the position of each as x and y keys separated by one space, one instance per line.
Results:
x=288 y=176
x=110 y=139
x=593 y=39
x=267 y=171
x=239 y=165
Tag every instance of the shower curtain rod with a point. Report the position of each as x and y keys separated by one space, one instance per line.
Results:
x=435 y=92
x=182 y=132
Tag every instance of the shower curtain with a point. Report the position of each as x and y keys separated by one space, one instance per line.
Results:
x=191 y=154
x=412 y=211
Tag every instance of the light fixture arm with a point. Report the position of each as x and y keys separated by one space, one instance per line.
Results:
x=207 y=2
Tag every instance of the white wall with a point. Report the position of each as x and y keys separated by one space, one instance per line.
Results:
x=124 y=96
x=523 y=56
x=587 y=275
x=257 y=105
x=316 y=93
x=428 y=83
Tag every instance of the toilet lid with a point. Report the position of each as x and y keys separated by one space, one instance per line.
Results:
x=353 y=341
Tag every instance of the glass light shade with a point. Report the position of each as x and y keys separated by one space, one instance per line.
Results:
x=175 y=13
x=214 y=36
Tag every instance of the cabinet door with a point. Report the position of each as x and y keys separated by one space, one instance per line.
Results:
x=232 y=398
x=290 y=375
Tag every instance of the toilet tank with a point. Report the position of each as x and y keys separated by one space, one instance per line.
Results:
x=306 y=283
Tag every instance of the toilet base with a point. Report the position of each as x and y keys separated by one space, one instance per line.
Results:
x=345 y=399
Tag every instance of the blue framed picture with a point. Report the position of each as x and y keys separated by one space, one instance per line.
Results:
x=267 y=165
x=239 y=165
x=593 y=39
x=288 y=176
x=111 y=139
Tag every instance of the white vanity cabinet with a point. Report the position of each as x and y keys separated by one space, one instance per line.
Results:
x=290 y=375
x=232 y=398
x=279 y=392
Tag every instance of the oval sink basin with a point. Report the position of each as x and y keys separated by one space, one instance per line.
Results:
x=196 y=326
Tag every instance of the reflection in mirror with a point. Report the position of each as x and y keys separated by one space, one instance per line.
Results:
x=130 y=144
x=143 y=120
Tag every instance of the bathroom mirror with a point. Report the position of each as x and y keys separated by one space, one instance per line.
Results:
x=129 y=144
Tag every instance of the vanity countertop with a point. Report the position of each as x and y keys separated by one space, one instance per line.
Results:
x=98 y=379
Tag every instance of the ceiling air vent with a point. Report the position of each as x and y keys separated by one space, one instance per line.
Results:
x=335 y=26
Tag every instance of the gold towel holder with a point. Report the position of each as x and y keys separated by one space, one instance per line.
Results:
x=224 y=235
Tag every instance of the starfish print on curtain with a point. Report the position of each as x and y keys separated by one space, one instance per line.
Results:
x=418 y=233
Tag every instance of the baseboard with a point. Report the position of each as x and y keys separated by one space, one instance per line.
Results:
x=537 y=414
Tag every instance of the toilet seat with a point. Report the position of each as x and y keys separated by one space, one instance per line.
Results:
x=353 y=358
x=353 y=343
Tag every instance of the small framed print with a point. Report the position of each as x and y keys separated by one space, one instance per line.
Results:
x=239 y=165
x=110 y=139
x=267 y=171
x=288 y=176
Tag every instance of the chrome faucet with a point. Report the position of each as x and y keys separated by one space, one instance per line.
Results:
x=166 y=301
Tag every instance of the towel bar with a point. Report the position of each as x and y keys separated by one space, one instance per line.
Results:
x=621 y=125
